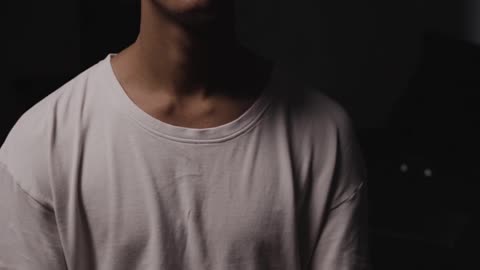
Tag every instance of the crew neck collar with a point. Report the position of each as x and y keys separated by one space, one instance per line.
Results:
x=184 y=134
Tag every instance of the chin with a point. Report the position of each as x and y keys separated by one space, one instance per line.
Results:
x=184 y=6
x=191 y=13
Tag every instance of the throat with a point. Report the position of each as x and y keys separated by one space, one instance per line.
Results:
x=235 y=92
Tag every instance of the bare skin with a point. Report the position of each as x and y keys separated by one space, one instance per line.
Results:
x=186 y=68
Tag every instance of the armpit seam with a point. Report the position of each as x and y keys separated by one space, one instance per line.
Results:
x=41 y=205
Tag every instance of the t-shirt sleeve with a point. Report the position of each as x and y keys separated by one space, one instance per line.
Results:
x=29 y=237
x=341 y=240
x=343 y=244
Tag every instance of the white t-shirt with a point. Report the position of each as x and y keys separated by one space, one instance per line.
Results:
x=88 y=180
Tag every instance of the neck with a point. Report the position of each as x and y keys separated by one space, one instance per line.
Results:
x=180 y=59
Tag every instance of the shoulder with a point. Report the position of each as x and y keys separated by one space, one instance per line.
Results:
x=36 y=124
x=26 y=152
x=313 y=107
x=336 y=147
x=324 y=105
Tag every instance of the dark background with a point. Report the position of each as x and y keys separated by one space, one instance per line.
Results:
x=406 y=70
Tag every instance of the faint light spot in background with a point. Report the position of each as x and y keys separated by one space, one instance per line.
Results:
x=403 y=168
x=427 y=172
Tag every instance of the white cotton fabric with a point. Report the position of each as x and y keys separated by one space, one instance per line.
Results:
x=88 y=181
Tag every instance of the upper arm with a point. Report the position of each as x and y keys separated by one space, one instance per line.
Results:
x=29 y=238
x=338 y=203
x=343 y=242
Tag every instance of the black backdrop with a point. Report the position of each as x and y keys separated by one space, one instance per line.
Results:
x=405 y=70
